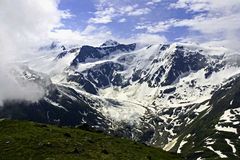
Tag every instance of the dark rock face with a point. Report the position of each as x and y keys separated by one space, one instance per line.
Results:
x=88 y=86
x=92 y=53
x=213 y=68
x=50 y=109
x=110 y=43
x=164 y=47
x=169 y=90
x=182 y=63
x=179 y=64
x=53 y=45
x=63 y=54
x=101 y=76
x=156 y=78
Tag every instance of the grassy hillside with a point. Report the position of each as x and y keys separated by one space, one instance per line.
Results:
x=28 y=140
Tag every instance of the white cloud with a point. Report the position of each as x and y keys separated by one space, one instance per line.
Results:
x=212 y=21
x=212 y=25
x=107 y=11
x=208 y=5
x=91 y=35
x=103 y=16
x=128 y=8
x=89 y=30
x=95 y=36
x=161 y=26
x=133 y=10
x=216 y=21
x=122 y=20
x=140 y=11
x=13 y=88
x=25 y=24
x=152 y=2
x=101 y=20
x=149 y=39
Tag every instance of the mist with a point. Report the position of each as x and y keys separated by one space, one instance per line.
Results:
x=25 y=25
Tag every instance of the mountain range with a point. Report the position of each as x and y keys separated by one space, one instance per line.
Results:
x=183 y=98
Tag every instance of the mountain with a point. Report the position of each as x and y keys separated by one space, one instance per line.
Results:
x=180 y=97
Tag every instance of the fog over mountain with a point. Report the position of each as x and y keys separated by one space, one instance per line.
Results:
x=23 y=29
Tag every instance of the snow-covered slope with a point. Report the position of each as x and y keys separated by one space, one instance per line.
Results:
x=156 y=94
x=157 y=76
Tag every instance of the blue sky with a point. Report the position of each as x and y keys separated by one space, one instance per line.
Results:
x=124 y=25
x=212 y=22
x=207 y=22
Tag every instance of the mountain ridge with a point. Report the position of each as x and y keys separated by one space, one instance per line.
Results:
x=153 y=94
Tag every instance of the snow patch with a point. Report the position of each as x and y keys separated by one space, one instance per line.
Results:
x=170 y=145
x=226 y=129
x=231 y=145
x=181 y=145
x=219 y=153
x=54 y=104
x=202 y=108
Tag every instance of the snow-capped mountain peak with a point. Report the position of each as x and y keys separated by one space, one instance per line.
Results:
x=110 y=43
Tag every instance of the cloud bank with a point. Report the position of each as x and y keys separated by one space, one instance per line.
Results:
x=25 y=24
